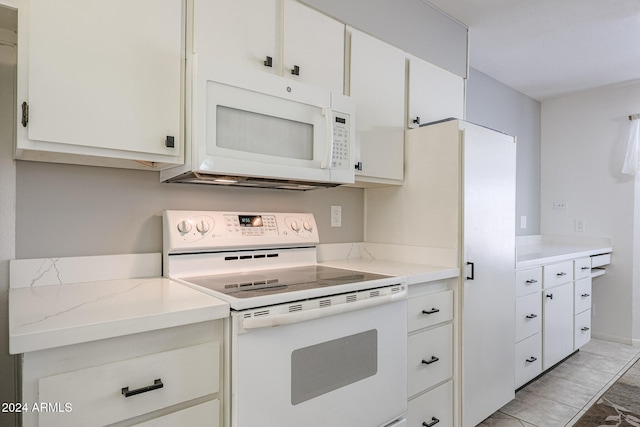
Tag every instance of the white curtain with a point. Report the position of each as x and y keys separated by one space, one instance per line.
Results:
x=632 y=160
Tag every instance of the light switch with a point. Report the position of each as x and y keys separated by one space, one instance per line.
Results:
x=336 y=216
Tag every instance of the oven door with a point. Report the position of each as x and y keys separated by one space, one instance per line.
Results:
x=343 y=370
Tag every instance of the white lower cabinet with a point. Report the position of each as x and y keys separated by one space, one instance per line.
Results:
x=430 y=356
x=528 y=359
x=557 y=324
x=582 y=309
x=165 y=377
x=582 y=333
x=432 y=408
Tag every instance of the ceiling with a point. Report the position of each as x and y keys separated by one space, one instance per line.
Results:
x=549 y=48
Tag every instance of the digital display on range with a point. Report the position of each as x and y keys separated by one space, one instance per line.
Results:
x=341 y=120
x=250 y=220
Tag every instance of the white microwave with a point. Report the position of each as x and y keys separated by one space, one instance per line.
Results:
x=252 y=128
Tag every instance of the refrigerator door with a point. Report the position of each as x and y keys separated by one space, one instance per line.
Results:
x=488 y=314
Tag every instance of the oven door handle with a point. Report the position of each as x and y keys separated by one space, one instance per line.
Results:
x=317 y=313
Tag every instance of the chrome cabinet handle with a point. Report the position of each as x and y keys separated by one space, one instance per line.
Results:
x=550 y=296
x=531 y=316
x=430 y=361
x=561 y=274
x=531 y=359
x=433 y=422
x=416 y=120
x=531 y=281
x=585 y=329
x=433 y=310
x=585 y=268
x=585 y=295
x=156 y=385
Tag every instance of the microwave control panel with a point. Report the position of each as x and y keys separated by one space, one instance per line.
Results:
x=341 y=156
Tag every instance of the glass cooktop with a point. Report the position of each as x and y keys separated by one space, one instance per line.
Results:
x=268 y=282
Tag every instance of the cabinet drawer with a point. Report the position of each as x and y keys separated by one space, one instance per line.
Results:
x=98 y=396
x=528 y=316
x=600 y=260
x=206 y=414
x=528 y=359
x=429 y=358
x=429 y=310
x=582 y=329
x=582 y=297
x=528 y=281
x=437 y=404
x=557 y=274
x=582 y=268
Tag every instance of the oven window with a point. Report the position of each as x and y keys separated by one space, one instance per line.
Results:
x=328 y=366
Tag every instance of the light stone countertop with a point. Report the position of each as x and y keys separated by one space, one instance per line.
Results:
x=44 y=314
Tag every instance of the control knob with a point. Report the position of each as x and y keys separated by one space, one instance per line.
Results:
x=202 y=226
x=184 y=226
x=295 y=226
x=307 y=225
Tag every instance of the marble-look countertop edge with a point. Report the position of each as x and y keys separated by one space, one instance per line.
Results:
x=560 y=253
x=197 y=307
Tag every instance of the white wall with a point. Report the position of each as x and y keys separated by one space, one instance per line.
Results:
x=584 y=138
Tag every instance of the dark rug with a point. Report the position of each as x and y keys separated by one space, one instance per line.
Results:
x=619 y=405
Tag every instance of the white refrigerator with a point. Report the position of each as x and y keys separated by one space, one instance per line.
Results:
x=458 y=200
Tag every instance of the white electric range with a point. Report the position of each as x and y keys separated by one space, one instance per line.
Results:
x=309 y=344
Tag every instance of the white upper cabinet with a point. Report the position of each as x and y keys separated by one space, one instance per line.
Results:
x=433 y=93
x=284 y=37
x=102 y=81
x=377 y=83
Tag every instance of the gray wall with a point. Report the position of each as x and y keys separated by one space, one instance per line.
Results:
x=411 y=25
x=497 y=106
x=8 y=371
x=66 y=210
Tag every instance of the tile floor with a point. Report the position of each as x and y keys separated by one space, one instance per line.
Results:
x=563 y=394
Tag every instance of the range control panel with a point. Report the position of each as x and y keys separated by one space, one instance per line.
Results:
x=192 y=231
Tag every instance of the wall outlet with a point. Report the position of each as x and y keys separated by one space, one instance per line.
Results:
x=560 y=205
x=523 y=221
x=336 y=216
x=578 y=225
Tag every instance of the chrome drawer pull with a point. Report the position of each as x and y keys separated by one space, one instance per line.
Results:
x=585 y=268
x=531 y=359
x=585 y=329
x=433 y=422
x=531 y=281
x=433 y=310
x=429 y=362
x=156 y=385
x=531 y=316
x=561 y=274
x=585 y=295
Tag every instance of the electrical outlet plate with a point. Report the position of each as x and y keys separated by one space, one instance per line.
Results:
x=336 y=216
x=560 y=205
x=578 y=225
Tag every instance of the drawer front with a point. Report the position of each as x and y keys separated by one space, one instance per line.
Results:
x=582 y=268
x=528 y=281
x=432 y=408
x=429 y=310
x=582 y=298
x=528 y=359
x=528 y=316
x=557 y=274
x=582 y=329
x=600 y=260
x=97 y=393
x=429 y=358
x=206 y=414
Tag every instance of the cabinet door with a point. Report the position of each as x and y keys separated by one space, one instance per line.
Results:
x=377 y=83
x=434 y=93
x=242 y=32
x=488 y=310
x=314 y=43
x=103 y=74
x=557 y=324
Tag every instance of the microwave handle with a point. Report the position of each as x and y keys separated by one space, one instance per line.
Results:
x=328 y=115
